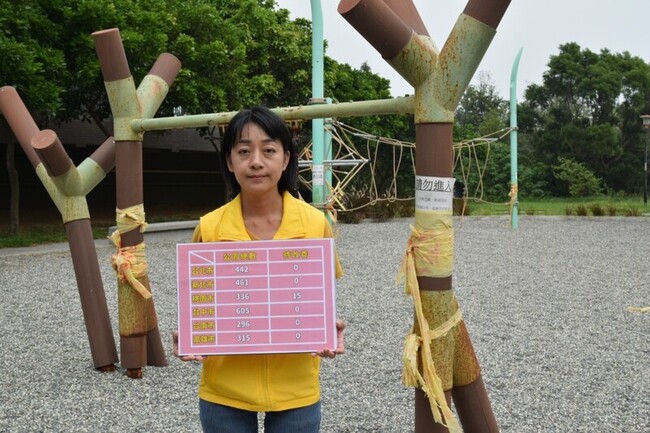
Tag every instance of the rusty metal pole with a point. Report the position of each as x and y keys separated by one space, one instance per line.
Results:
x=72 y=183
x=140 y=342
x=440 y=78
x=68 y=186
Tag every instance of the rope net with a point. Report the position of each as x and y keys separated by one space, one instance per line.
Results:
x=366 y=169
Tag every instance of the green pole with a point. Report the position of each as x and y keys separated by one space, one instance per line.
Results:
x=514 y=186
x=399 y=105
x=318 y=128
x=328 y=154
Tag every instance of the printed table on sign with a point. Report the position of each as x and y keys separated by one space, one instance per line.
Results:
x=256 y=297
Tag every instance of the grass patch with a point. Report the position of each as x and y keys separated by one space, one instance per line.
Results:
x=42 y=234
x=48 y=228
x=596 y=206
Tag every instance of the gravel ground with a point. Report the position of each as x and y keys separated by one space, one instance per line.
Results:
x=545 y=305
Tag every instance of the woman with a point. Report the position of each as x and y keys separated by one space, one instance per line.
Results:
x=260 y=166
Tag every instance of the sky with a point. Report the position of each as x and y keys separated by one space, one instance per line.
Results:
x=537 y=26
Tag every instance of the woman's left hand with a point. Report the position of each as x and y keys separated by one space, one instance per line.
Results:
x=340 y=343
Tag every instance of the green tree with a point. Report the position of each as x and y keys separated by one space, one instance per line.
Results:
x=37 y=70
x=234 y=53
x=587 y=110
x=581 y=182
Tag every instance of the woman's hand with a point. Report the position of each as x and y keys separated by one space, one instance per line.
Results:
x=340 y=343
x=184 y=357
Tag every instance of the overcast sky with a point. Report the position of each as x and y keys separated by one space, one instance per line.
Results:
x=537 y=26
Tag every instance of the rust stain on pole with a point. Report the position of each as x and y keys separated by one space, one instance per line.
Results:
x=440 y=78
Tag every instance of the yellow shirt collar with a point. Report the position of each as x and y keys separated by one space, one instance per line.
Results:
x=291 y=227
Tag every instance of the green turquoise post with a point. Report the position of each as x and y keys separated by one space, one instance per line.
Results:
x=328 y=156
x=514 y=186
x=317 y=80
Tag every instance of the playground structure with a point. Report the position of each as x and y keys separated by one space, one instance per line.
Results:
x=446 y=369
x=359 y=154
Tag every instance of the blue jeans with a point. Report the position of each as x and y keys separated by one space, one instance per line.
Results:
x=216 y=418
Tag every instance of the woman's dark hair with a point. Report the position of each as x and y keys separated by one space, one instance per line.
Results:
x=275 y=128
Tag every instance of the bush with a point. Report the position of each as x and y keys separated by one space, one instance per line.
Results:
x=633 y=211
x=351 y=217
x=381 y=210
x=611 y=210
x=354 y=200
x=582 y=181
x=568 y=211
x=581 y=210
x=404 y=208
x=597 y=209
x=461 y=206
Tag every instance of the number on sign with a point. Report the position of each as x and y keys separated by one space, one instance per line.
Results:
x=243 y=338
x=244 y=296
x=243 y=323
x=297 y=335
x=243 y=310
x=295 y=267
x=241 y=269
x=295 y=280
x=242 y=282
x=297 y=295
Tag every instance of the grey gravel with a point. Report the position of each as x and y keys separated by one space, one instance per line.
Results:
x=545 y=305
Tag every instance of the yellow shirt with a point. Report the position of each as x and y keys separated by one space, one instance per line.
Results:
x=262 y=383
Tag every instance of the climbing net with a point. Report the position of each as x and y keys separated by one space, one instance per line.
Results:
x=467 y=159
x=366 y=169
x=357 y=153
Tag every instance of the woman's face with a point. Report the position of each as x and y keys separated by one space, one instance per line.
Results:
x=257 y=161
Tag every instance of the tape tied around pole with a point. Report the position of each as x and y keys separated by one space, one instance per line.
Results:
x=514 y=191
x=130 y=262
x=428 y=253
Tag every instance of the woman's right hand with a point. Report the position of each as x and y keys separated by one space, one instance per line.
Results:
x=184 y=357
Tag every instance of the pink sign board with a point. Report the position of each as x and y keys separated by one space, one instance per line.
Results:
x=256 y=297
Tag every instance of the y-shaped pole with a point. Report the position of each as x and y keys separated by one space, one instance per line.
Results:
x=439 y=359
x=68 y=186
x=140 y=342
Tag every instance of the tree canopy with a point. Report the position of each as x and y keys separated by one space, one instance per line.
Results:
x=587 y=110
x=234 y=53
x=580 y=131
x=237 y=53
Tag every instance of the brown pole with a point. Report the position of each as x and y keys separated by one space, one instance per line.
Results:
x=374 y=19
x=434 y=150
x=407 y=11
x=20 y=121
x=439 y=81
x=140 y=341
x=84 y=256
x=79 y=232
